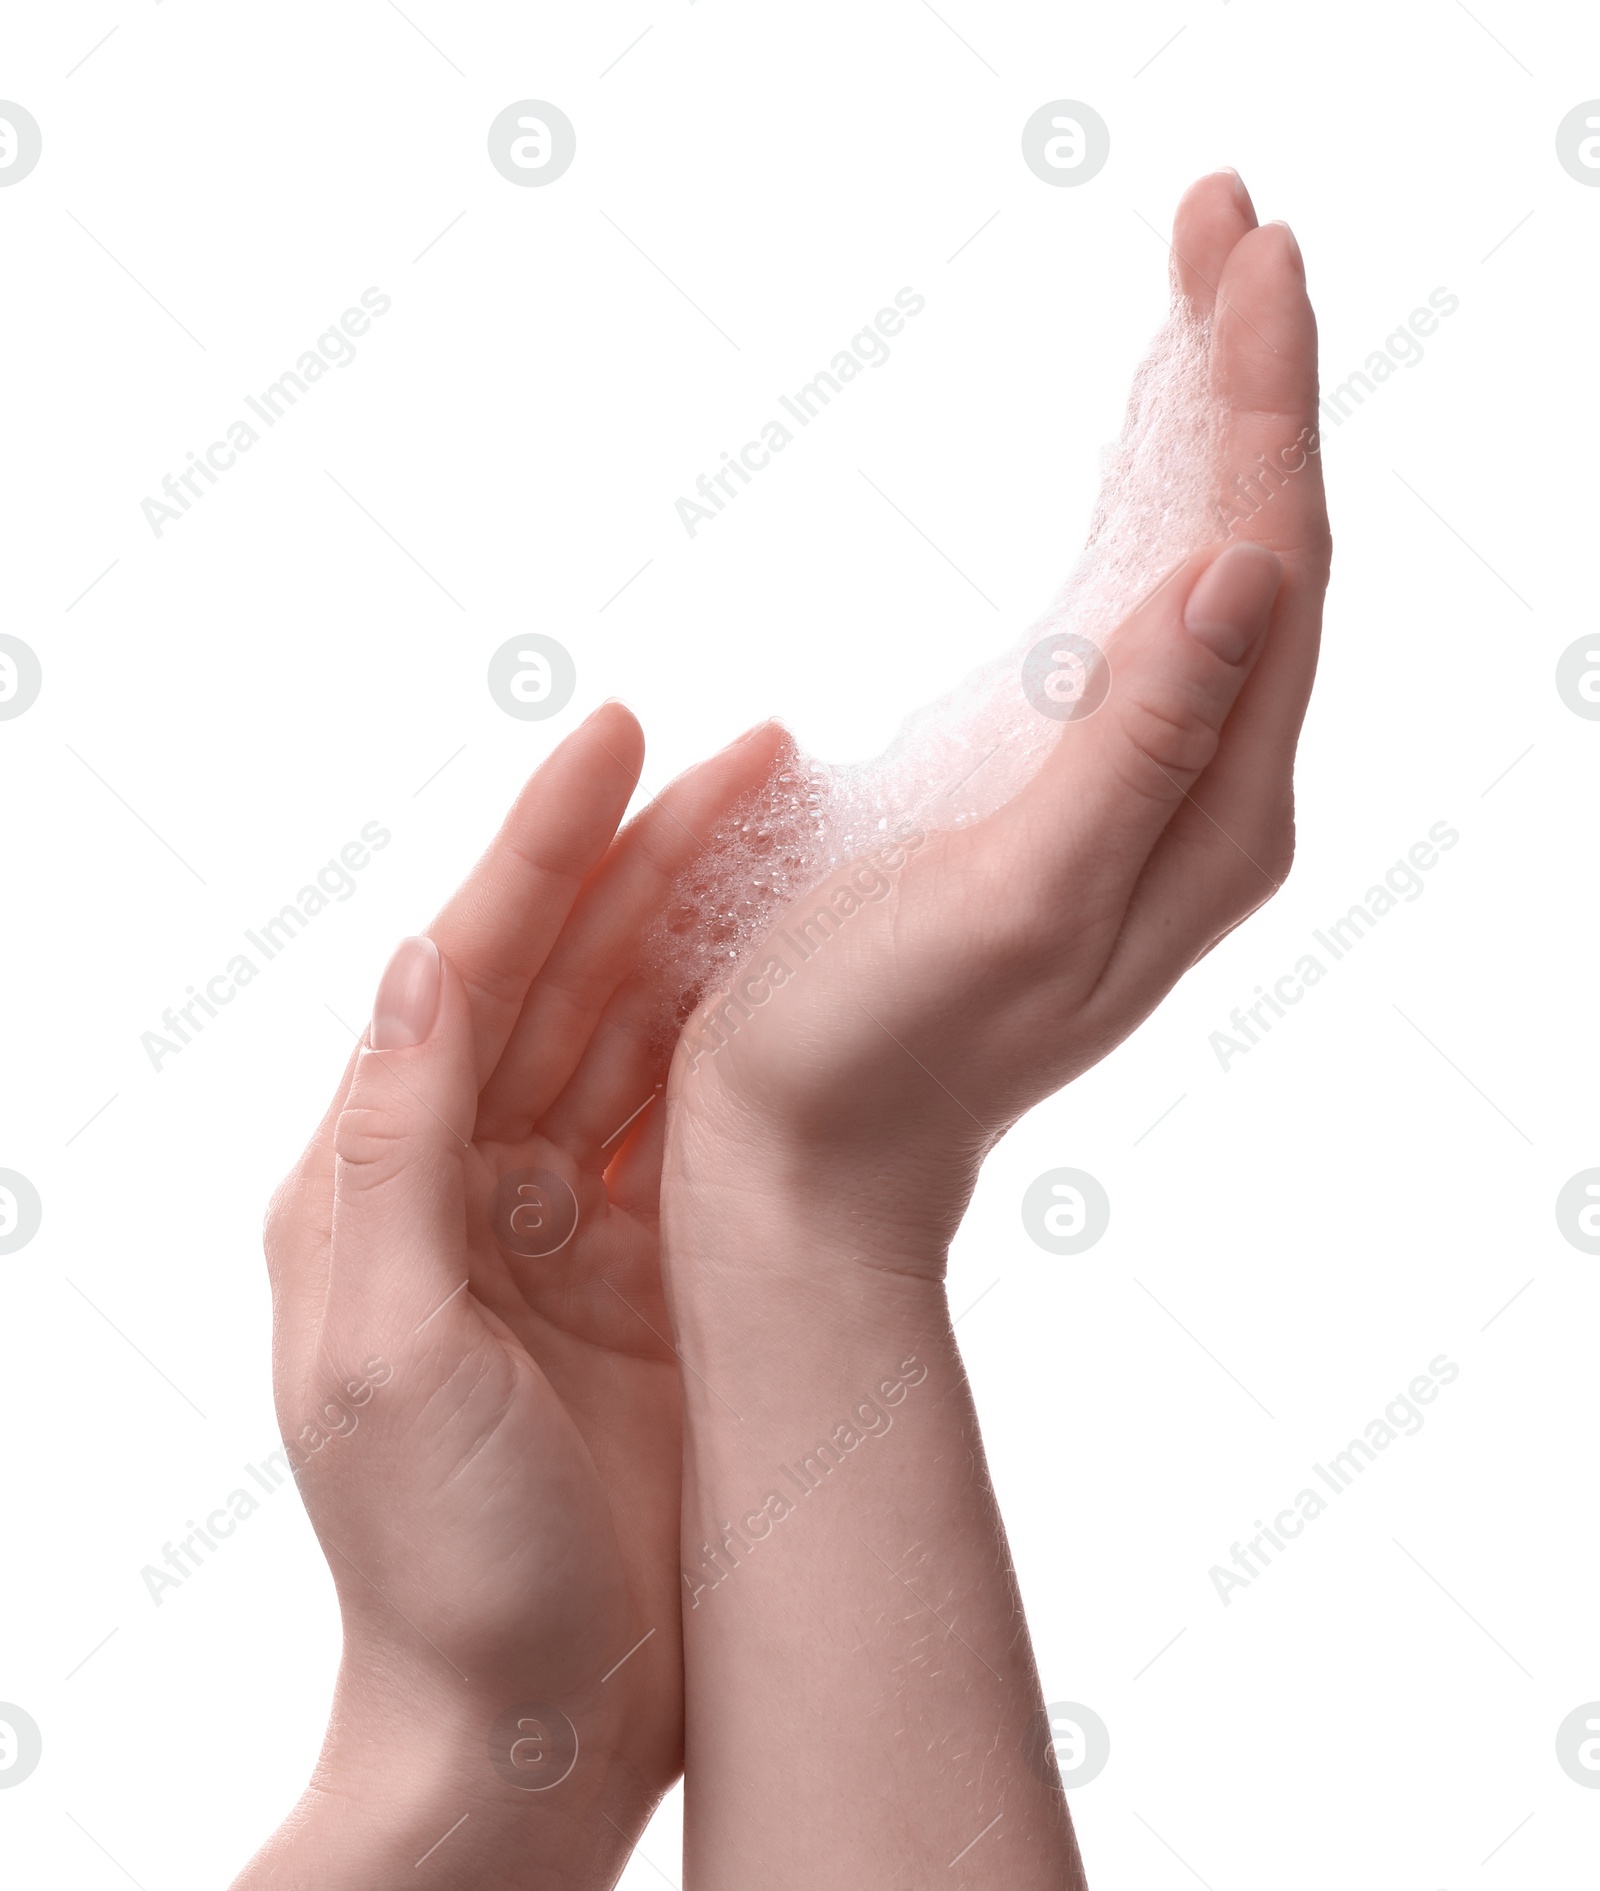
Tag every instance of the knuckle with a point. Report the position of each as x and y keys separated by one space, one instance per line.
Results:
x=576 y=988
x=549 y=863
x=1277 y=838
x=285 y=1220
x=369 y=1143
x=1246 y=889
x=501 y=987
x=1279 y=854
x=1172 y=734
x=1259 y=878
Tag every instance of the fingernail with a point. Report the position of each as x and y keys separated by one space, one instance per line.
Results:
x=408 y=997
x=1230 y=605
x=1278 y=223
x=1241 y=195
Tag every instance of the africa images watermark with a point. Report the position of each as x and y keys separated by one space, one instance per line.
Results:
x=804 y=935
x=867 y=1418
x=869 y=348
x=1400 y=1419
x=1402 y=348
x=1402 y=883
x=335 y=884
x=334 y=1419
x=335 y=348
x=1250 y=493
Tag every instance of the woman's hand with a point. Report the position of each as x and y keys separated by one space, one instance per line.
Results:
x=891 y=1047
x=472 y=1375
x=862 y=1703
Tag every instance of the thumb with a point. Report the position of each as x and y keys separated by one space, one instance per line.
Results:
x=1177 y=665
x=399 y=1205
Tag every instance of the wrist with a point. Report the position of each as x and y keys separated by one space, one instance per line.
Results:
x=752 y=1200
x=453 y=1783
x=788 y=1315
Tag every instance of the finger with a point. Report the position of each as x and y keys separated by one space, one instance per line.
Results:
x=1115 y=778
x=305 y=1196
x=296 y=1236
x=1264 y=346
x=600 y=946
x=619 y=1077
x=1199 y=885
x=399 y=1217
x=1264 y=372
x=300 y=1215
x=633 y=1176
x=1211 y=218
x=499 y=925
x=1228 y=847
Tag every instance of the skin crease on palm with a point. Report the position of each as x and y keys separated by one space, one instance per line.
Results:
x=503 y=1525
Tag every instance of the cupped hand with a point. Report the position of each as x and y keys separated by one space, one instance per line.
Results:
x=873 y=1070
x=472 y=1372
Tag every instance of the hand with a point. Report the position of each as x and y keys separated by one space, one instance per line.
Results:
x=487 y=1442
x=827 y=1117
x=1011 y=955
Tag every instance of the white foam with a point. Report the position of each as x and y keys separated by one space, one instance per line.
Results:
x=963 y=756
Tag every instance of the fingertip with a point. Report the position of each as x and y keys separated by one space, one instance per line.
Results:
x=1265 y=269
x=1213 y=215
x=743 y=764
x=749 y=760
x=1289 y=244
x=679 y=820
x=614 y=727
x=1219 y=194
x=763 y=741
x=1266 y=334
x=407 y=1003
x=1230 y=606
x=413 y=1086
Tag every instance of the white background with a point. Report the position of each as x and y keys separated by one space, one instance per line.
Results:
x=1361 y=1192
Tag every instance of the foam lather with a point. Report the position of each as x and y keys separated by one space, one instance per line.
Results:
x=968 y=753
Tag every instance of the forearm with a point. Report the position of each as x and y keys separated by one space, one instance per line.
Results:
x=445 y=1787
x=862 y=1704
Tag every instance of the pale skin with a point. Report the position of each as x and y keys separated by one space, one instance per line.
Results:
x=819 y=1161
x=756 y=1269
x=502 y=1520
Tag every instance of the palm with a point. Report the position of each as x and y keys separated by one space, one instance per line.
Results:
x=509 y=1500
x=589 y=1318
x=1014 y=953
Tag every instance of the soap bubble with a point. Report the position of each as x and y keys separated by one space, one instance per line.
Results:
x=967 y=754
